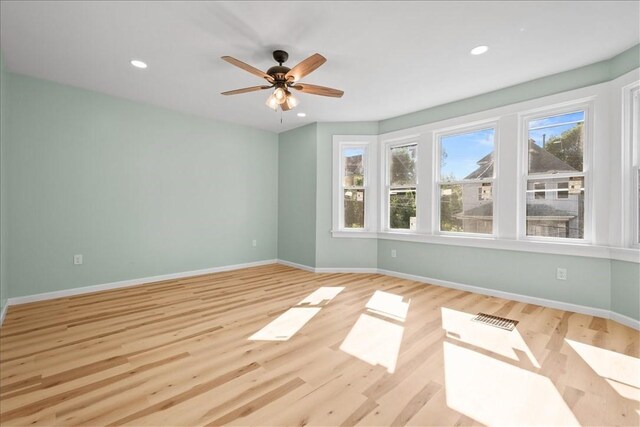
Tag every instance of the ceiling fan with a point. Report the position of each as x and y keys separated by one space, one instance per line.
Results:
x=283 y=79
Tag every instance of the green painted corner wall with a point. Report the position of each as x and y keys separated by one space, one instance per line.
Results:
x=625 y=288
x=523 y=273
x=137 y=190
x=4 y=291
x=330 y=252
x=297 y=195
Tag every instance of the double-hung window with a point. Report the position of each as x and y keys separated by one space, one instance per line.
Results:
x=465 y=181
x=402 y=186
x=635 y=167
x=354 y=204
x=555 y=174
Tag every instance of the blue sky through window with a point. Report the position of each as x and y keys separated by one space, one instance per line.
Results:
x=463 y=152
x=548 y=127
x=350 y=152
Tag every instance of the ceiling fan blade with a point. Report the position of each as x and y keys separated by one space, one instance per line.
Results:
x=245 y=90
x=318 y=90
x=306 y=67
x=247 y=67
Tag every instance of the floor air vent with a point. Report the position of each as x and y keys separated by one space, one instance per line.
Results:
x=498 y=322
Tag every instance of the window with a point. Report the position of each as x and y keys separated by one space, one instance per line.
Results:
x=635 y=169
x=539 y=186
x=555 y=181
x=354 y=208
x=402 y=185
x=466 y=181
x=563 y=194
x=353 y=187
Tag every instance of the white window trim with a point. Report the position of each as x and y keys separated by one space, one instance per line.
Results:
x=457 y=130
x=369 y=143
x=386 y=147
x=525 y=117
x=631 y=152
x=607 y=212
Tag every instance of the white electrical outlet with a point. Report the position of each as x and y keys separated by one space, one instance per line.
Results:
x=77 y=259
x=393 y=253
x=561 y=274
x=254 y=243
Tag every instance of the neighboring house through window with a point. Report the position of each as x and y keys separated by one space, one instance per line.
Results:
x=555 y=162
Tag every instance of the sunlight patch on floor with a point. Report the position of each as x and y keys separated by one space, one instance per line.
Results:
x=291 y=321
x=388 y=305
x=374 y=341
x=493 y=392
x=286 y=325
x=622 y=372
x=459 y=326
x=325 y=293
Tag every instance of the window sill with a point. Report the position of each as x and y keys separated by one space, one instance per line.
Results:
x=357 y=234
x=490 y=242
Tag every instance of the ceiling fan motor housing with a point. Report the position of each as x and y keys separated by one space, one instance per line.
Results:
x=278 y=72
x=280 y=56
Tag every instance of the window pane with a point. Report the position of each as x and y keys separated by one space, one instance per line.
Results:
x=563 y=194
x=466 y=208
x=353 y=208
x=402 y=167
x=556 y=217
x=467 y=155
x=556 y=143
x=402 y=209
x=353 y=167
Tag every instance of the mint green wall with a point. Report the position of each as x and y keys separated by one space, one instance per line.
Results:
x=343 y=252
x=138 y=190
x=3 y=183
x=573 y=79
x=625 y=288
x=525 y=273
x=297 y=196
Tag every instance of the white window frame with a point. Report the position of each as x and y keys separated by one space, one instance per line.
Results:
x=369 y=145
x=587 y=106
x=386 y=184
x=631 y=151
x=457 y=130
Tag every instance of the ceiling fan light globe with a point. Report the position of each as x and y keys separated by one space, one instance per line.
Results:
x=272 y=102
x=280 y=95
x=292 y=101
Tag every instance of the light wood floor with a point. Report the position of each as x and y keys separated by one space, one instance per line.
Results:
x=178 y=353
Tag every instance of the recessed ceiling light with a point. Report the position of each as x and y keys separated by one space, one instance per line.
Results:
x=302 y=114
x=138 y=64
x=479 y=50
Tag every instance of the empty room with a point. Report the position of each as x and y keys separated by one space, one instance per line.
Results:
x=347 y=213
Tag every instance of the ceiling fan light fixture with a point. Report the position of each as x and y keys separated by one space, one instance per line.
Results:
x=280 y=94
x=292 y=101
x=272 y=102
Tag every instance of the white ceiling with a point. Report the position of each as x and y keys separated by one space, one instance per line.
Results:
x=390 y=58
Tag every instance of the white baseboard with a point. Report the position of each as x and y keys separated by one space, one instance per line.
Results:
x=625 y=320
x=599 y=312
x=363 y=270
x=296 y=265
x=591 y=311
x=4 y=312
x=132 y=282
